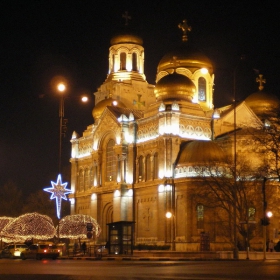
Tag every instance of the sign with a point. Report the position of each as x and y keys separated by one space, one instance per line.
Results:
x=89 y=226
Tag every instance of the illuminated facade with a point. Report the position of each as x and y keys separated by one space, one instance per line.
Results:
x=139 y=158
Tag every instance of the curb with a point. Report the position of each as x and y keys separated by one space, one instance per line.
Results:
x=106 y=258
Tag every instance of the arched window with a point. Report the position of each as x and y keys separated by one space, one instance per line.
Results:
x=91 y=176
x=113 y=63
x=81 y=180
x=141 y=169
x=134 y=62
x=251 y=213
x=94 y=172
x=123 y=61
x=156 y=166
x=86 y=179
x=200 y=216
x=110 y=161
x=148 y=167
x=201 y=89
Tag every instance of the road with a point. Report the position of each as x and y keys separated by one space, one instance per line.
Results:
x=138 y=270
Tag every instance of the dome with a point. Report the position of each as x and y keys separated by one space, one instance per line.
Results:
x=126 y=37
x=187 y=57
x=201 y=152
x=101 y=106
x=175 y=86
x=262 y=103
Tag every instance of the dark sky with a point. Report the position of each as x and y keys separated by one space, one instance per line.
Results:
x=43 y=39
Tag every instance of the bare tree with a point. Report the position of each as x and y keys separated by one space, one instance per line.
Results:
x=40 y=202
x=267 y=138
x=11 y=200
x=222 y=193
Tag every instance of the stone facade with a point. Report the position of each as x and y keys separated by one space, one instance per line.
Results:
x=126 y=166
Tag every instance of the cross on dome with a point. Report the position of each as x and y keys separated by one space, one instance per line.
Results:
x=261 y=81
x=175 y=61
x=185 y=28
x=126 y=17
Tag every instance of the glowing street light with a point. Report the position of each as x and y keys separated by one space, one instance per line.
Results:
x=62 y=122
x=61 y=87
x=169 y=215
x=84 y=99
x=269 y=214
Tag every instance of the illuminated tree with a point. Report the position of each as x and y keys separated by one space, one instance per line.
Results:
x=75 y=226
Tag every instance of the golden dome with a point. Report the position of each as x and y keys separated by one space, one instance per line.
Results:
x=126 y=37
x=201 y=152
x=175 y=86
x=101 y=106
x=262 y=103
x=187 y=57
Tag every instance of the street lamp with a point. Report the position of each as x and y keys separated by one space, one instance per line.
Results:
x=235 y=249
x=62 y=122
x=169 y=215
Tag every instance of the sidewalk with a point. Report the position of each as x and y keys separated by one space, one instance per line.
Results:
x=179 y=256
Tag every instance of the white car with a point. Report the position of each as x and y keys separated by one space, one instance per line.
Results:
x=13 y=250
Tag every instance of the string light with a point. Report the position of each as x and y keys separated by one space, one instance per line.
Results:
x=41 y=227
x=28 y=226
x=75 y=226
x=4 y=221
x=58 y=191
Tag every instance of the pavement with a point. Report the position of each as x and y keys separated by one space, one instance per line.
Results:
x=179 y=256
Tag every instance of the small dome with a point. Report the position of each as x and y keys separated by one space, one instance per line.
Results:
x=101 y=106
x=262 y=103
x=201 y=152
x=187 y=57
x=175 y=86
x=126 y=37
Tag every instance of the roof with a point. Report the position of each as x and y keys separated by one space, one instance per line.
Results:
x=200 y=152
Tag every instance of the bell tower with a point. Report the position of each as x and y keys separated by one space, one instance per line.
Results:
x=126 y=80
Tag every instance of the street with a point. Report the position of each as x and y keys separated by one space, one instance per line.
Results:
x=151 y=270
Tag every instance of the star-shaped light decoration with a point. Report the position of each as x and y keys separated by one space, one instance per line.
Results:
x=58 y=191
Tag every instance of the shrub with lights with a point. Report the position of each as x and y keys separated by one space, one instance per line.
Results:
x=29 y=226
x=75 y=226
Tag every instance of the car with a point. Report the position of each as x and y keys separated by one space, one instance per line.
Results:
x=41 y=251
x=13 y=250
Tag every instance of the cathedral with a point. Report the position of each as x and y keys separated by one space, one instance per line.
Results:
x=144 y=168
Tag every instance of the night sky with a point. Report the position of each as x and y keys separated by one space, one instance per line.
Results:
x=44 y=39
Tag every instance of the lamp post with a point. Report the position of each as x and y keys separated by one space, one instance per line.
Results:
x=235 y=249
x=169 y=215
x=235 y=198
x=62 y=122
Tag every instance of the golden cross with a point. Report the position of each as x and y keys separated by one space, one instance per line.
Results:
x=127 y=17
x=261 y=81
x=138 y=102
x=174 y=61
x=185 y=28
